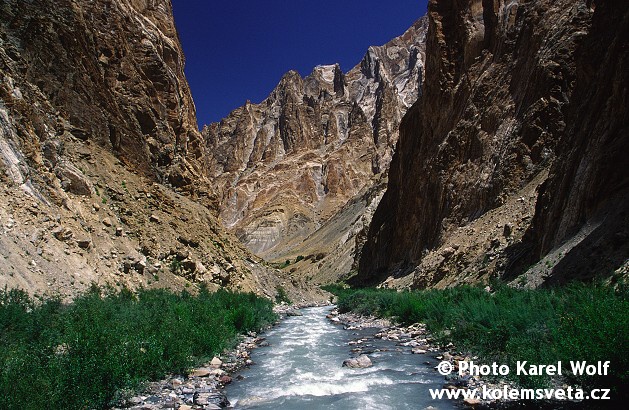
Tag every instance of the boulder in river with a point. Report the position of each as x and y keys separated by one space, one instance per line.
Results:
x=293 y=312
x=359 y=362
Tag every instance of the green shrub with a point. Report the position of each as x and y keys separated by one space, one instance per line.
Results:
x=577 y=322
x=282 y=296
x=175 y=266
x=282 y=265
x=83 y=354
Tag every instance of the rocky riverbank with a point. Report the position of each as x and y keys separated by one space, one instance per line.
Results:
x=202 y=388
x=419 y=341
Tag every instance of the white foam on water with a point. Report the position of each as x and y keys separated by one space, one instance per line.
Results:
x=330 y=388
x=303 y=364
x=372 y=403
x=295 y=342
x=329 y=375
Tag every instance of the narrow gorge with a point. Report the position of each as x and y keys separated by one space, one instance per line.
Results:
x=460 y=194
x=493 y=92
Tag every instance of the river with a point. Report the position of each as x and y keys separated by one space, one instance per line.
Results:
x=301 y=369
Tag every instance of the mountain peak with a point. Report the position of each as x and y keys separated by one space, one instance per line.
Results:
x=315 y=142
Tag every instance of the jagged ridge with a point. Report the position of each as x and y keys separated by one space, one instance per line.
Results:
x=283 y=167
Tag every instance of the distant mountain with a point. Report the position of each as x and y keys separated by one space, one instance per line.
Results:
x=285 y=166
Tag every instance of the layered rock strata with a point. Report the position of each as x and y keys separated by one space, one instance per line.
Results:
x=331 y=253
x=283 y=167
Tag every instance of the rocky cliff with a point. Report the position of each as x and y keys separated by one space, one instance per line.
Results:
x=582 y=214
x=100 y=155
x=515 y=151
x=283 y=167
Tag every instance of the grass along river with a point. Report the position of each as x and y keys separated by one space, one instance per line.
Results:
x=302 y=368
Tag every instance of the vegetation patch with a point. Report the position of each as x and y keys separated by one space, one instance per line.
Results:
x=288 y=262
x=84 y=354
x=542 y=326
x=281 y=296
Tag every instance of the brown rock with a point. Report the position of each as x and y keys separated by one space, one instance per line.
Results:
x=62 y=233
x=73 y=180
x=508 y=228
x=471 y=401
x=282 y=167
x=200 y=372
x=176 y=382
x=84 y=243
x=493 y=117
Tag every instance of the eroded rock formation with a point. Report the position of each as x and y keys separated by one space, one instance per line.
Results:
x=112 y=73
x=283 y=167
x=516 y=95
x=331 y=253
x=100 y=156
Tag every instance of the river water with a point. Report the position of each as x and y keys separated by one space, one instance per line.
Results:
x=301 y=369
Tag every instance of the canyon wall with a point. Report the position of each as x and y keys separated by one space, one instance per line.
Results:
x=585 y=200
x=284 y=167
x=101 y=158
x=515 y=150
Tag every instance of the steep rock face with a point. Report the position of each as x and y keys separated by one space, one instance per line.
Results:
x=114 y=73
x=585 y=201
x=286 y=165
x=98 y=140
x=496 y=110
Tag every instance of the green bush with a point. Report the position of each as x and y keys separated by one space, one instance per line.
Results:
x=175 y=266
x=281 y=296
x=577 y=322
x=83 y=354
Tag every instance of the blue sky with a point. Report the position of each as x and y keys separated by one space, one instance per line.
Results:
x=238 y=50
